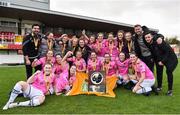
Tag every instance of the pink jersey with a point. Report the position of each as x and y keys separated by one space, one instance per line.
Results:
x=114 y=42
x=80 y=64
x=101 y=46
x=114 y=52
x=61 y=79
x=40 y=83
x=122 y=67
x=42 y=61
x=112 y=69
x=92 y=46
x=61 y=82
x=59 y=69
x=140 y=67
x=97 y=67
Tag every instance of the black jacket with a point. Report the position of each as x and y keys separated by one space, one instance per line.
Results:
x=86 y=51
x=154 y=48
x=167 y=55
x=164 y=53
x=28 y=46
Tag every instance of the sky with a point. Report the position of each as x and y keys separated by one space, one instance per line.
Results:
x=159 y=14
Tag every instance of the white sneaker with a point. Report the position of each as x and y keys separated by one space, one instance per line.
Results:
x=6 y=106
x=12 y=105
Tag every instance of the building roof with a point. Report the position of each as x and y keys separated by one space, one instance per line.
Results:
x=65 y=20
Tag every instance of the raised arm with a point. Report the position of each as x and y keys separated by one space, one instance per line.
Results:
x=31 y=79
x=69 y=53
x=84 y=34
x=34 y=63
x=37 y=62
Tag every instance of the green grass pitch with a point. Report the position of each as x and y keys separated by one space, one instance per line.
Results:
x=125 y=102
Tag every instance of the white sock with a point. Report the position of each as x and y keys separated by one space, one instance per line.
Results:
x=143 y=90
x=15 y=92
x=32 y=102
x=25 y=103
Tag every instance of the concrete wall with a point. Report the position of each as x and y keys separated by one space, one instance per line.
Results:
x=11 y=59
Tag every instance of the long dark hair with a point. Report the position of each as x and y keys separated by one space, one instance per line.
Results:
x=47 y=34
x=123 y=39
x=69 y=70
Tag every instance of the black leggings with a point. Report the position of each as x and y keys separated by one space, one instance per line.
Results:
x=29 y=69
x=170 y=79
x=159 y=73
x=169 y=72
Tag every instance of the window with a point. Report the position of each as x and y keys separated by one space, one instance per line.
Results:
x=8 y=24
x=12 y=24
x=4 y=23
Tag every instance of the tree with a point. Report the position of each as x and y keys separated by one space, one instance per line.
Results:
x=172 y=40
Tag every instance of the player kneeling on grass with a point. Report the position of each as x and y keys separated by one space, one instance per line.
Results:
x=122 y=67
x=36 y=87
x=143 y=78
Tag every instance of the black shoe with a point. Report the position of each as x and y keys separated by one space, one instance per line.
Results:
x=154 y=89
x=147 y=93
x=119 y=85
x=132 y=88
x=159 y=89
x=128 y=85
x=169 y=93
x=63 y=91
x=131 y=85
